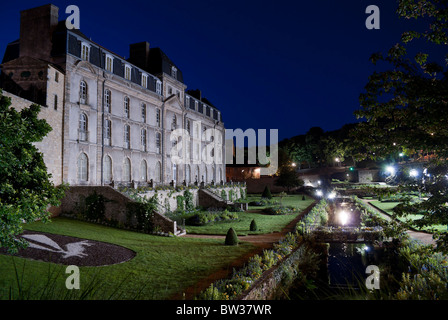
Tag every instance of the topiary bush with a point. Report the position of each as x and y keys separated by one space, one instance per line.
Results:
x=266 y=193
x=231 y=238
x=253 y=225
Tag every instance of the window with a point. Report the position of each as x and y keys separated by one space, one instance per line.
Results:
x=127 y=136
x=174 y=72
x=127 y=170
x=55 y=102
x=143 y=170
x=107 y=169
x=174 y=123
x=143 y=112
x=83 y=165
x=187 y=102
x=83 y=127
x=107 y=132
x=158 y=172
x=158 y=143
x=188 y=174
x=127 y=72
x=109 y=63
x=188 y=126
x=170 y=91
x=144 y=80
x=143 y=139
x=83 y=92
x=126 y=105
x=196 y=105
x=159 y=87
x=56 y=76
x=85 y=48
x=158 y=117
x=107 y=100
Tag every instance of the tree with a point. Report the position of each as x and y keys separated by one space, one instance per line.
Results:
x=406 y=107
x=288 y=178
x=26 y=191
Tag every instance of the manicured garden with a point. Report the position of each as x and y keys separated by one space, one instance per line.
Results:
x=267 y=221
x=163 y=266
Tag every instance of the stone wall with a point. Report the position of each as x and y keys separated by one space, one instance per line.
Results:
x=266 y=287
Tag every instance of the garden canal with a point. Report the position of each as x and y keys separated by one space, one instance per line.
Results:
x=343 y=245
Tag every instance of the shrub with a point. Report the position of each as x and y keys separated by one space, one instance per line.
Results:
x=266 y=193
x=253 y=225
x=223 y=194
x=95 y=206
x=189 y=205
x=231 y=238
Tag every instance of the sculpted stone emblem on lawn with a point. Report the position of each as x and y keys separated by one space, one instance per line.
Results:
x=73 y=249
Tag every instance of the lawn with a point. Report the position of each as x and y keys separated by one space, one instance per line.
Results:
x=162 y=267
x=389 y=206
x=265 y=222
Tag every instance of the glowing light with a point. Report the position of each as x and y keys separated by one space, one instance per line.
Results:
x=390 y=170
x=413 y=173
x=319 y=193
x=293 y=164
x=343 y=217
x=331 y=195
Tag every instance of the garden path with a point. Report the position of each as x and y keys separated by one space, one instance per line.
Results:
x=424 y=237
x=260 y=243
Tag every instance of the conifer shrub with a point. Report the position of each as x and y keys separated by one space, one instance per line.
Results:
x=231 y=238
x=266 y=193
x=253 y=225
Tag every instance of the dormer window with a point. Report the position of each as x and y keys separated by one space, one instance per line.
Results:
x=174 y=72
x=109 y=62
x=159 y=87
x=144 y=80
x=85 y=51
x=127 y=72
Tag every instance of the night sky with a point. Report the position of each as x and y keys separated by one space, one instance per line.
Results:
x=286 y=65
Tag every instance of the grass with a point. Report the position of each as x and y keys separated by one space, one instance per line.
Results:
x=389 y=206
x=162 y=267
x=266 y=223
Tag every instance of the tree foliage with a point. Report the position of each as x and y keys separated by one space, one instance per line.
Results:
x=405 y=106
x=26 y=191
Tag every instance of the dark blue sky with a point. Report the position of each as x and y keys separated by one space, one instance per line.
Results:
x=286 y=65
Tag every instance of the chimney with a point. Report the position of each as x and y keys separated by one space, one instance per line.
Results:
x=36 y=31
x=139 y=53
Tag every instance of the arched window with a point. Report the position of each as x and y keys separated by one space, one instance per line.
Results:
x=126 y=105
x=83 y=92
x=143 y=171
x=197 y=176
x=83 y=125
x=107 y=100
x=83 y=167
x=127 y=170
x=107 y=169
x=158 y=172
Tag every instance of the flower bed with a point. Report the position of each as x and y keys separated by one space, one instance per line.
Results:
x=280 y=210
